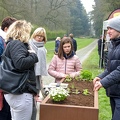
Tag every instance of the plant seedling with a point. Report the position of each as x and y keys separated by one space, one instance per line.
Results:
x=86 y=92
x=86 y=75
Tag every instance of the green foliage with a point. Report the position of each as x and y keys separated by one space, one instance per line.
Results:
x=52 y=35
x=86 y=92
x=86 y=75
x=68 y=79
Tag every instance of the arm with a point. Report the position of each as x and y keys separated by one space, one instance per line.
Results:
x=1 y=46
x=52 y=68
x=112 y=78
x=22 y=59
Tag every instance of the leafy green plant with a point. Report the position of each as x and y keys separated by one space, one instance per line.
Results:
x=86 y=75
x=86 y=92
x=68 y=79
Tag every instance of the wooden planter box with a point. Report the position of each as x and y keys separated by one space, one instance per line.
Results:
x=68 y=112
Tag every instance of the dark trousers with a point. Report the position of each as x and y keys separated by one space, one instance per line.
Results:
x=115 y=107
x=5 y=112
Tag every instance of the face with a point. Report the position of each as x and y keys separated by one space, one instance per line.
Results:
x=113 y=33
x=39 y=38
x=67 y=48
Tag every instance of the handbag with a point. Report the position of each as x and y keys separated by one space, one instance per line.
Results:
x=11 y=80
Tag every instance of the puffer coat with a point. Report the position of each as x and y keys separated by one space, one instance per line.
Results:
x=59 y=67
x=110 y=78
x=22 y=60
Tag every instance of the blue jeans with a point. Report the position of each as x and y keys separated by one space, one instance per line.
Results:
x=115 y=107
x=21 y=106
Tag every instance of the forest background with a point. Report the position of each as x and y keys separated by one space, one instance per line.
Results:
x=60 y=17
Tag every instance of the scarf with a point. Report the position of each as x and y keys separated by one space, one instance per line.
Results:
x=69 y=56
x=40 y=66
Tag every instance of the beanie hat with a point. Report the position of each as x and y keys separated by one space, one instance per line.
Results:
x=114 y=23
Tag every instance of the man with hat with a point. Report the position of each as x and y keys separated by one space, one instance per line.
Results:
x=110 y=78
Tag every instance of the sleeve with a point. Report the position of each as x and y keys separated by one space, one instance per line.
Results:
x=112 y=78
x=52 y=69
x=75 y=45
x=22 y=59
x=1 y=46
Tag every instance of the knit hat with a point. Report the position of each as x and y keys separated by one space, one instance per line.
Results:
x=114 y=23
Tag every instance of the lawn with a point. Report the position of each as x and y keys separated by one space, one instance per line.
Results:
x=81 y=43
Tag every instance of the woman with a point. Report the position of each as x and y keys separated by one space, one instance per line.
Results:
x=23 y=59
x=66 y=62
x=38 y=39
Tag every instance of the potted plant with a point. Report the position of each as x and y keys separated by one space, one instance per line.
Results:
x=50 y=111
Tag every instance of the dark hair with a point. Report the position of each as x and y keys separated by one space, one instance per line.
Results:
x=7 y=22
x=71 y=35
x=62 y=42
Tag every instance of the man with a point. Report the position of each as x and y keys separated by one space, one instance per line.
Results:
x=110 y=78
x=101 y=45
x=74 y=42
x=5 y=109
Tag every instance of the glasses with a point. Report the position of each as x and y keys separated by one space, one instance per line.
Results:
x=40 y=36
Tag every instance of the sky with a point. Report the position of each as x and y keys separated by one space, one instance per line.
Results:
x=88 y=4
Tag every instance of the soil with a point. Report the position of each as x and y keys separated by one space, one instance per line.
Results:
x=78 y=99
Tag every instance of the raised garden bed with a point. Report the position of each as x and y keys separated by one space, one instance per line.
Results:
x=75 y=107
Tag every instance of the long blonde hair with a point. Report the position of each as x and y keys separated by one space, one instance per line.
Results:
x=40 y=31
x=19 y=30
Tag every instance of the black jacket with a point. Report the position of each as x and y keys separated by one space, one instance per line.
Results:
x=22 y=59
x=111 y=76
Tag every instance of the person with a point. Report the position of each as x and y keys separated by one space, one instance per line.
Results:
x=37 y=42
x=74 y=42
x=101 y=45
x=23 y=58
x=110 y=78
x=66 y=62
x=6 y=22
x=57 y=43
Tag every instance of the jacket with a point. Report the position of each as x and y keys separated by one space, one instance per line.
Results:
x=58 y=67
x=110 y=78
x=57 y=44
x=22 y=59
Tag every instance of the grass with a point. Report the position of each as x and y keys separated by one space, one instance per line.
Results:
x=81 y=43
x=92 y=65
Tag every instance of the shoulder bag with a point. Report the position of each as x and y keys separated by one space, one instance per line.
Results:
x=11 y=80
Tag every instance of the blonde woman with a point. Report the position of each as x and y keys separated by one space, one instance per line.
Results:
x=37 y=42
x=23 y=59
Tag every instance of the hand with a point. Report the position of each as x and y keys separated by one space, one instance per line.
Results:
x=96 y=79
x=97 y=85
x=31 y=51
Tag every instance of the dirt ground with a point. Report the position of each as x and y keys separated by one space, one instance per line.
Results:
x=78 y=98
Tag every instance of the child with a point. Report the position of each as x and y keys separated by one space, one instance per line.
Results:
x=66 y=62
